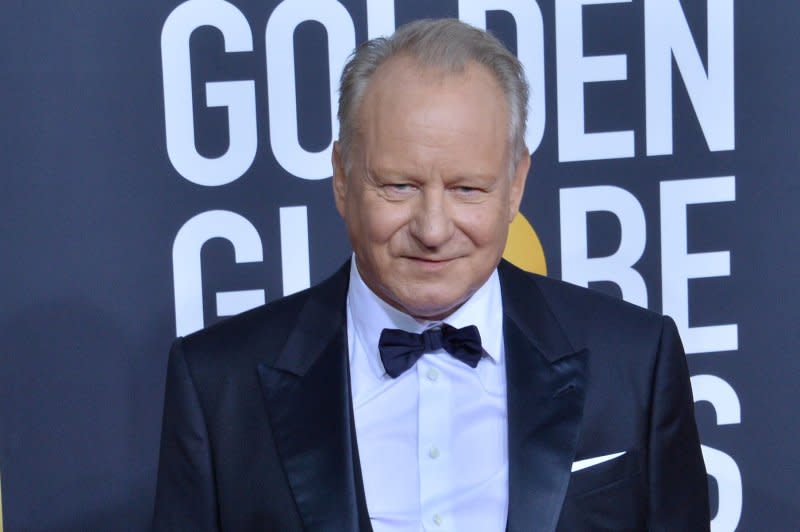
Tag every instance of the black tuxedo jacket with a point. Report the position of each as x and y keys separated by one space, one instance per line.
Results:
x=258 y=425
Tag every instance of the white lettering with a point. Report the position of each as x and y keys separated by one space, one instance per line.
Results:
x=380 y=18
x=719 y=464
x=721 y=396
x=187 y=268
x=574 y=71
x=294 y=249
x=283 y=125
x=678 y=266
x=667 y=35
x=237 y=96
x=576 y=266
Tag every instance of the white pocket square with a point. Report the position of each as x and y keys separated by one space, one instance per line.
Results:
x=589 y=462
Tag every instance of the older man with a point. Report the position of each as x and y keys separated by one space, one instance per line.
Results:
x=429 y=385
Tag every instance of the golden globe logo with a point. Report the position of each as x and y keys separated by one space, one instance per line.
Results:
x=523 y=248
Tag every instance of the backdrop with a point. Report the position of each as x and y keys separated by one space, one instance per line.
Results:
x=166 y=164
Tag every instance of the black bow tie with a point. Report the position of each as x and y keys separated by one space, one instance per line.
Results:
x=401 y=349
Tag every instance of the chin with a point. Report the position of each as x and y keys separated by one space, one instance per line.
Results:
x=432 y=308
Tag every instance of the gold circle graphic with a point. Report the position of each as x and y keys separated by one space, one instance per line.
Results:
x=523 y=248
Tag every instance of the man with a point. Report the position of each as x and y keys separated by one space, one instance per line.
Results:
x=427 y=384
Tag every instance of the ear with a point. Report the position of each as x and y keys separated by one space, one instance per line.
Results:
x=339 y=179
x=518 y=183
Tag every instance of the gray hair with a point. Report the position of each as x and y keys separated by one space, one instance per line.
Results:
x=446 y=44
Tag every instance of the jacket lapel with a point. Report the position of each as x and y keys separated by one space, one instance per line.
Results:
x=307 y=392
x=546 y=379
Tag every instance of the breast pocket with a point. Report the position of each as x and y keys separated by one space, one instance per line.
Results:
x=605 y=474
x=609 y=496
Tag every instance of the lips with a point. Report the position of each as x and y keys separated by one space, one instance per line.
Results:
x=429 y=259
x=428 y=263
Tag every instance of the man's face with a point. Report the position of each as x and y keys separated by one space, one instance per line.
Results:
x=428 y=198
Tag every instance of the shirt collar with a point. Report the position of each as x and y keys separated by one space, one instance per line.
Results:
x=370 y=315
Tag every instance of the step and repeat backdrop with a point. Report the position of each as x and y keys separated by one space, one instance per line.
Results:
x=166 y=164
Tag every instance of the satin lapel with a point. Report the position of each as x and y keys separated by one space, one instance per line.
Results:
x=545 y=387
x=307 y=393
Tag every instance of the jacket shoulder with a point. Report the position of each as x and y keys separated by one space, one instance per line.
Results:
x=262 y=331
x=585 y=313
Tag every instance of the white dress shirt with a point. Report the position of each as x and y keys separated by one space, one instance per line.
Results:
x=433 y=441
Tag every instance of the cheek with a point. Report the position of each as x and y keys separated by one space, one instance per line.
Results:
x=382 y=222
x=485 y=226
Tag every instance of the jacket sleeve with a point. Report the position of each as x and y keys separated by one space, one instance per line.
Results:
x=678 y=486
x=185 y=494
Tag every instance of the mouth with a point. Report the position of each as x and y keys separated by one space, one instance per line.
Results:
x=430 y=263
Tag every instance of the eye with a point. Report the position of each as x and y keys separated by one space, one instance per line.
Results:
x=467 y=193
x=398 y=190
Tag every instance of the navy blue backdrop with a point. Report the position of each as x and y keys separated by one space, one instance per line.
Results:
x=164 y=164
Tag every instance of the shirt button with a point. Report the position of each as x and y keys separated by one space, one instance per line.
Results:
x=434 y=452
x=437 y=519
x=433 y=375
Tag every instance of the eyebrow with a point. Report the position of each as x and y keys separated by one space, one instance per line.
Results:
x=388 y=172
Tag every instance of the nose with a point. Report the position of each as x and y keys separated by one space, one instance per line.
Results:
x=432 y=225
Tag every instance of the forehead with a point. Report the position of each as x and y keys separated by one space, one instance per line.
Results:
x=417 y=115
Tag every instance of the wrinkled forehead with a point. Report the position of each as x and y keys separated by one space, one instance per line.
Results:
x=404 y=85
x=399 y=73
x=429 y=118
